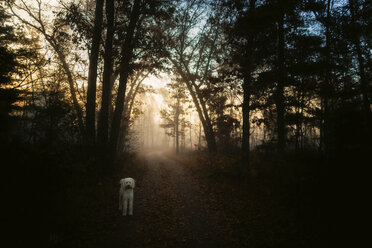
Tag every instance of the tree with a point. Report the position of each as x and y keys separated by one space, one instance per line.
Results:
x=242 y=38
x=174 y=116
x=356 y=31
x=126 y=56
x=142 y=52
x=135 y=88
x=144 y=55
x=92 y=75
x=194 y=56
x=53 y=36
x=103 y=121
x=8 y=64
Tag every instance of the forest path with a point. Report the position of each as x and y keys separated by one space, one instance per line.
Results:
x=169 y=210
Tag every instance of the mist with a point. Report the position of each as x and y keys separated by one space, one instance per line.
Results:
x=149 y=131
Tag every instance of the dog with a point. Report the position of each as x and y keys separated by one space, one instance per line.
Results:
x=126 y=195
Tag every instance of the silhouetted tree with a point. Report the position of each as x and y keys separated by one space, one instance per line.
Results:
x=194 y=48
x=103 y=118
x=56 y=37
x=92 y=75
x=357 y=34
x=8 y=64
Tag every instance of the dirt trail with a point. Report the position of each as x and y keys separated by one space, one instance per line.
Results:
x=169 y=211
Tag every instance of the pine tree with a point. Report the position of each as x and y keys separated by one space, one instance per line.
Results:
x=8 y=68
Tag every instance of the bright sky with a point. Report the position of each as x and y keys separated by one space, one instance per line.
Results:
x=156 y=82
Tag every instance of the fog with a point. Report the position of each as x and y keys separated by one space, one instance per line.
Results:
x=147 y=131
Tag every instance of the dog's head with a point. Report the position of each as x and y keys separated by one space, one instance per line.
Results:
x=128 y=183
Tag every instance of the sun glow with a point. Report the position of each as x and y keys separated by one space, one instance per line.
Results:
x=158 y=84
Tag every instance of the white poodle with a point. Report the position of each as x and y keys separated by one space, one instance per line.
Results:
x=126 y=195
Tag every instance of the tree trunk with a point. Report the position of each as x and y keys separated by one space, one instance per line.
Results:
x=280 y=87
x=246 y=123
x=208 y=130
x=246 y=100
x=102 y=132
x=128 y=106
x=190 y=134
x=209 y=133
x=92 y=75
x=200 y=106
x=326 y=87
x=127 y=53
x=321 y=127
x=176 y=122
x=199 y=144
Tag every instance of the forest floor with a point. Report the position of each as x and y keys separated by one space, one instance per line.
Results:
x=191 y=200
x=169 y=211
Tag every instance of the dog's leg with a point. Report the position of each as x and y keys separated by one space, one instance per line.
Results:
x=131 y=206
x=125 y=206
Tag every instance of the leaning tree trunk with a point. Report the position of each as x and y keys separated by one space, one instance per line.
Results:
x=209 y=133
x=92 y=75
x=207 y=127
x=127 y=53
x=208 y=130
